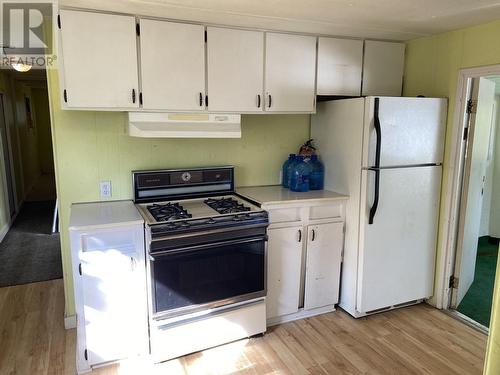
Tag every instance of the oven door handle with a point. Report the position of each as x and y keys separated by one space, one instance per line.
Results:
x=204 y=246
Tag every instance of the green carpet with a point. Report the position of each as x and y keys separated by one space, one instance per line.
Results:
x=477 y=302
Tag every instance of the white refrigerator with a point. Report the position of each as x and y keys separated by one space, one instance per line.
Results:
x=386 y=154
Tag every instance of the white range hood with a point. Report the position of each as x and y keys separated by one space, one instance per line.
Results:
x=184 y=125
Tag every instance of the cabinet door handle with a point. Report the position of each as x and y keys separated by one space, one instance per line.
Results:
x=132 y=263
x=300 y=235
x=258 y=100
x=313 y=237
x=133 y=96
x=201 y=99
x=270 y=101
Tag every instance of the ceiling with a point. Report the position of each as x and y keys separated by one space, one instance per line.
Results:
x=379 y=19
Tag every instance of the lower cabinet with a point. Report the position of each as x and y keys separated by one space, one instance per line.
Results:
x=323 y=260
x=110 y=285
x=304 y=263
x=284 y=263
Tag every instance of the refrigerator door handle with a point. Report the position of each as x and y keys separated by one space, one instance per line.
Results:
x=373 y=209
x=376 y=169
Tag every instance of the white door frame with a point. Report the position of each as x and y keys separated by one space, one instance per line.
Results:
x=451 y=192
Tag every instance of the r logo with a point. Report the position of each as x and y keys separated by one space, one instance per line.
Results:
x=27 y=28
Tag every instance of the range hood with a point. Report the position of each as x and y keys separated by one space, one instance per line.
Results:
x=183 y=125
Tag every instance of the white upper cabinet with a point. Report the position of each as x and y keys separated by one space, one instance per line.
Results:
x=383 y=68
x=172 y=65
x=290 y=73
x=235 y=60
x=340 y=63
x=100 y=60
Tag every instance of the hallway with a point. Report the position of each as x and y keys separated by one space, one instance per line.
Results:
x=29 y=252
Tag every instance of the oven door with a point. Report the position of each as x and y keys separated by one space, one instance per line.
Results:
x=206 y=276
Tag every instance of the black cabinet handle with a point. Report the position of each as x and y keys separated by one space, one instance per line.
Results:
x=206 y=100
x=133 y=96
x=300 y=235
x=201 y=99
x=376 y=169
x=313 y=235
x=270 y=100
x=258 y=100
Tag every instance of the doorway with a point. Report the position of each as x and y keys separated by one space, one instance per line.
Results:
x=29 y=243
x=478 y=210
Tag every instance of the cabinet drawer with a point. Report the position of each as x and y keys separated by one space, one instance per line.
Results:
x=122 y=240
x=283 y=215
x=325 y=212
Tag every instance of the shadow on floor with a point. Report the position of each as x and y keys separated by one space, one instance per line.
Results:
x=29 y=252
x=477 y=302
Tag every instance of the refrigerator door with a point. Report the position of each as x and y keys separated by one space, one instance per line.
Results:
x=411 y=131
x=397 y=252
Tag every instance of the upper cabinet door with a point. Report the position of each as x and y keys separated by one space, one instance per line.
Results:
x=340 y=62
x=235 y=70
x=290 y=73
x=100 y=60
x=172 y=65
x=383 y=68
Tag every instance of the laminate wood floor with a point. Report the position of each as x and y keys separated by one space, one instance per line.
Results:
x=413 y=340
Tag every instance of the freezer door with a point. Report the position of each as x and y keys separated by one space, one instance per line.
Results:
x=412 y=131
x=397 y=252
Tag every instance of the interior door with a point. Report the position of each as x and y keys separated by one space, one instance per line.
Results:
x=323 y=260
x=290 y=73
x=411 y=131
x=99 y=60
x=398 y=250
x=172 y=65
x=7 y=159
x=235 y=60
x=483 y=93
x=284 y=261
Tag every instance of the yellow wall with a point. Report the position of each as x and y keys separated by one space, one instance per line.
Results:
x=432 y=66
x=44 y=138
x=5 y=90
x=93 y=146
x=492 y=364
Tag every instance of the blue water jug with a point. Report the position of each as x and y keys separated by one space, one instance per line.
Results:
x=285 y=174
x=317 y=177
x=289 y=170
x=300 y=175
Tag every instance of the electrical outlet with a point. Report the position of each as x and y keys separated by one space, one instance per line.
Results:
x=105 y=188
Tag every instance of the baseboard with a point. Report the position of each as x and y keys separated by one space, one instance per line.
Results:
x=70 y=322
x=3 y=231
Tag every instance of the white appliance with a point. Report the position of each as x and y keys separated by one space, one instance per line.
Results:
x=184 y=125
x=386 y=153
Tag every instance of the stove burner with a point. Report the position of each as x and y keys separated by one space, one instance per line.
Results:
x=168 y=211
x=226 y=205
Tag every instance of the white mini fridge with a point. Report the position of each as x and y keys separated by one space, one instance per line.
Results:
x=386 y=153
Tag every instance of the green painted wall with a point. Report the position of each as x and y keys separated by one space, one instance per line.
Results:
x=4 y=214
x=93 y=146
x=40 y=99
x=432 y=66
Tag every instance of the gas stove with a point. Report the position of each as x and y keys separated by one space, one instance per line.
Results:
x=188 y=201
x=207 y=253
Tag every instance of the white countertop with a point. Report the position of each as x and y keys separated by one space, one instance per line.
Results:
x=103 y=214
x=276 y=194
